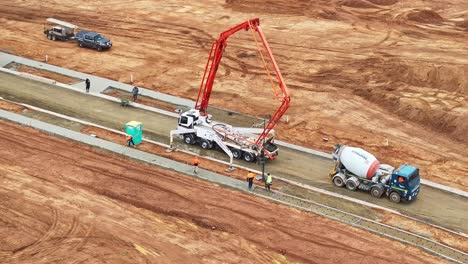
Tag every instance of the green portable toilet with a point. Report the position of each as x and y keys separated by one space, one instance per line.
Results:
x=135 y=129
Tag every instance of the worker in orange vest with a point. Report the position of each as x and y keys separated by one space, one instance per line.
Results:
x=196 y=162
x=130 y=140
x=250 y=178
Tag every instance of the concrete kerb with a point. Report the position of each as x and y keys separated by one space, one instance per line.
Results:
x=167 y=98
x=122 y=149
x=358 y=224
x=117 y=100
x=37 y=78
x=281 y=143
x=98 y=84
x=103 y=96
x=10 y=71
x=130 y=152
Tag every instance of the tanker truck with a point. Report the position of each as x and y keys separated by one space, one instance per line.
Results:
x=357 y=169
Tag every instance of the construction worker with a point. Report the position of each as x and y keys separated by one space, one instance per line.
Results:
x=196 y=162
x=250 y=178
x=130 y=140
x=268 y=182
x=135 y=93
x=88 y=85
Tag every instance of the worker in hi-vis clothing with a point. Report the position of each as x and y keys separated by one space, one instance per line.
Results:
x=268 y=182
x=250 y=178
x=196 y=162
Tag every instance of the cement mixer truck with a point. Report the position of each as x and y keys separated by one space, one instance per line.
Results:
x=357 y=169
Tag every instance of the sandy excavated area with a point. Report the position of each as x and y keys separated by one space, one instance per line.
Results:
x=387 y=75
x=65 y=202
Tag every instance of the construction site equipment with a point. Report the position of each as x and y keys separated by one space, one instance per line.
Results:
x=124 y=102
x=135 y=129
x=59 y=30
x=196 y=125
x=357 y=169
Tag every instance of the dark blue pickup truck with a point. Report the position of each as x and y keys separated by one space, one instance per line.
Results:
x=93 y=40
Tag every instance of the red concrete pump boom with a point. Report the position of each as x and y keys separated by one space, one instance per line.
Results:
x=214 y=59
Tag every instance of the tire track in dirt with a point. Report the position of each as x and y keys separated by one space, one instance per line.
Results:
x=137 y=30
x=197 y=219
x=63 y=234
x=179 y=207
x=36 y=246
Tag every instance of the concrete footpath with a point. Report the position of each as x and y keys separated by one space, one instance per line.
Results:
x=357 y=221
x=99 y=84
x=123 y=150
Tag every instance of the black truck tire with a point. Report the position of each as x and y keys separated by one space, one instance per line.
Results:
x=351 y=185
x=99 y=48
x=205 y=144
x=394 y=197
x=338 y=181
x=236 y=153
x=189 y=139
x=80 y=44
x=49 y=36
x=249 y=157
x=54 y=38
x=376 y=191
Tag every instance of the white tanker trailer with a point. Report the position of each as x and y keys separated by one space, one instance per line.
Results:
x=357 y=169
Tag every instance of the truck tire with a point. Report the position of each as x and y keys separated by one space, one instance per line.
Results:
x=205 y=144
x=236 y=153
x=338 y=181
x=189 y=139
x=376 y=191
x=249 y=157
x=49 y=36
x=352 y=183
x=394 y=197
x=99 y=48
x=80 y=44
x=54 y=38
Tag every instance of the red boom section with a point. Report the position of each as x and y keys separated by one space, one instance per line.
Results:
x=284 y=96
x=216 y=53
x=214 y=59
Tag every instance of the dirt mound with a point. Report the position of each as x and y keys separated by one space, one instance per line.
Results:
x=358 y=4
x=415 y=108
x=270 y=7
x=444 y=76
x=425 y=16
x=463 y=24
x=384 y=2
x=329 y=14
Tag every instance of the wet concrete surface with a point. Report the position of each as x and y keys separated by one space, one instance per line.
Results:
x=435 y=206
x=221 y=115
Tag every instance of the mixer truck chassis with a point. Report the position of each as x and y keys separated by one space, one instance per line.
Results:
x=356 y=169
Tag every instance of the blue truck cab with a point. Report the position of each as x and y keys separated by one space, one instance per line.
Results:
x=93 y=40
x=404 y=184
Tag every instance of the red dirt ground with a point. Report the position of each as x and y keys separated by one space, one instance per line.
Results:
x=11 y=107
x=386 y=75
x=437 y=234
x=66 y=202
x=175 y=155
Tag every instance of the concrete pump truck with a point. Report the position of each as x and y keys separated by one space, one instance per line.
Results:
x=196 y=125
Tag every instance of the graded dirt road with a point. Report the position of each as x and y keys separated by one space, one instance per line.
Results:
x=66 y=202
x=387 y=75
x=291 y=164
